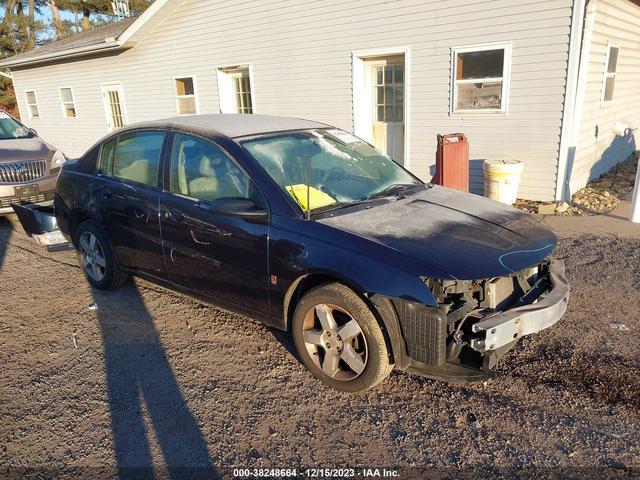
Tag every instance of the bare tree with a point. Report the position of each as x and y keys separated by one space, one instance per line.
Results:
x=56 y=20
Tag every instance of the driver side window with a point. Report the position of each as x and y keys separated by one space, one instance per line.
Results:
x=202 y=171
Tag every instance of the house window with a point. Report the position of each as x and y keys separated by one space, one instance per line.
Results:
x=68 y=103
x=32 y=104
x=611 y=65
x=480 y=79
x=389 y=92
x=242 y=87
x=186 y=96
x=234 y=89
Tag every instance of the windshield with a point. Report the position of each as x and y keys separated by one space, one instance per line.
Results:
x=343 y=168
x=10 y=129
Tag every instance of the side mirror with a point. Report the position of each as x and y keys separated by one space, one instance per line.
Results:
x=33 y=132
x=241 y=207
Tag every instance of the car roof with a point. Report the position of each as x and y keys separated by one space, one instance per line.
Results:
x=231 y=125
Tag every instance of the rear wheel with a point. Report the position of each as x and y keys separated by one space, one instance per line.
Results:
x=339 y=340
x=96 y=257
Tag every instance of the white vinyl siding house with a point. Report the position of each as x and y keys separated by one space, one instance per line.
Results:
x=614 y=24
x=318 y=60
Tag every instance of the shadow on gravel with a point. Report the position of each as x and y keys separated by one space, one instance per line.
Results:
x=141 y=385
x=6 y=230
x=285 y=339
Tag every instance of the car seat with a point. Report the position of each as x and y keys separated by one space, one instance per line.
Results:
x=140 y=172
x=217 y=180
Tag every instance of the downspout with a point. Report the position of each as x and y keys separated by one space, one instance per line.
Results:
x=577 y=72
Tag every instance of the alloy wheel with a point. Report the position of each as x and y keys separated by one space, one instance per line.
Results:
x=92 y=256
x=335 y=342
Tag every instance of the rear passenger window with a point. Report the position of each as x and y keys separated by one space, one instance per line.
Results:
x=137 y=157
x=106 y=157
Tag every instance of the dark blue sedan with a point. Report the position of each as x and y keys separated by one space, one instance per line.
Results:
x=314 y=231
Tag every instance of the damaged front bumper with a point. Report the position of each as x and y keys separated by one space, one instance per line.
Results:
x=475 y=322
x=501 y=329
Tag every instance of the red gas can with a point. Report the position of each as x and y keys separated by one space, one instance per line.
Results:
x=452 y=162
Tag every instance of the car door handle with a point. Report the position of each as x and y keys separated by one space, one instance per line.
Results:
x=139 y=213
x=203 y=206
x=175 y=215
x=106 y=193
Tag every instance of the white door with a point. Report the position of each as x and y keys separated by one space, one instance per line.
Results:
x=387 y=82
x=114 y=107
x=234 y=90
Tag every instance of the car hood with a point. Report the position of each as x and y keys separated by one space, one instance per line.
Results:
x=442 y=230
x=19 y=149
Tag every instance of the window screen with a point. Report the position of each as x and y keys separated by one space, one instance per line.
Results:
x=186 y=96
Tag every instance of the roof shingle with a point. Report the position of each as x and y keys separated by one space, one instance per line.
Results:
x=92 y=37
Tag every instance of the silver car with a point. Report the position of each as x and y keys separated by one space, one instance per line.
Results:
x=28 y=165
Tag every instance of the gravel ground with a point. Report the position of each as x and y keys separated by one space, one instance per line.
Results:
x=155 y=378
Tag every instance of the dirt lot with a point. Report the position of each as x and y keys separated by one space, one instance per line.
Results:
x=154 y=378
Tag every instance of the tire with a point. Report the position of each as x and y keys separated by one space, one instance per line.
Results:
x=102 y=271
x=321 y=319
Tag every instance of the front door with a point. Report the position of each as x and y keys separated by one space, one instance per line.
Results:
x=114 y=108
x=221 y=256
x=387 y=82
x=126 y=196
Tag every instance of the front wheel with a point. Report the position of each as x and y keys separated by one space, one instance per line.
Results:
x=339 y=339
x=96 y=258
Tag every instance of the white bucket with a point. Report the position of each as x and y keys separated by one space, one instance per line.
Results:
x=502 y=179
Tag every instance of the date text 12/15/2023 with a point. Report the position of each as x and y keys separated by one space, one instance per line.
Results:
x=315 y=473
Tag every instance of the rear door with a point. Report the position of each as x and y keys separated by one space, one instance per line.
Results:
x=126 y=196
x=221 y=256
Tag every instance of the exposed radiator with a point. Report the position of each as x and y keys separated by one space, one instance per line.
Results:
x=425 y=331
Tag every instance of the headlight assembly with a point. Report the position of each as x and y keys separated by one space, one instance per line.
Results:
x=57 y=161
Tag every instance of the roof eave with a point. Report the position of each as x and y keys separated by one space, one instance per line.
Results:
x=142 y=26
x=157 y=12
x=70 y=53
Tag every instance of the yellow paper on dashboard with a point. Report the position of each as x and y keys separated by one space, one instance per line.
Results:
x=317 y=198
